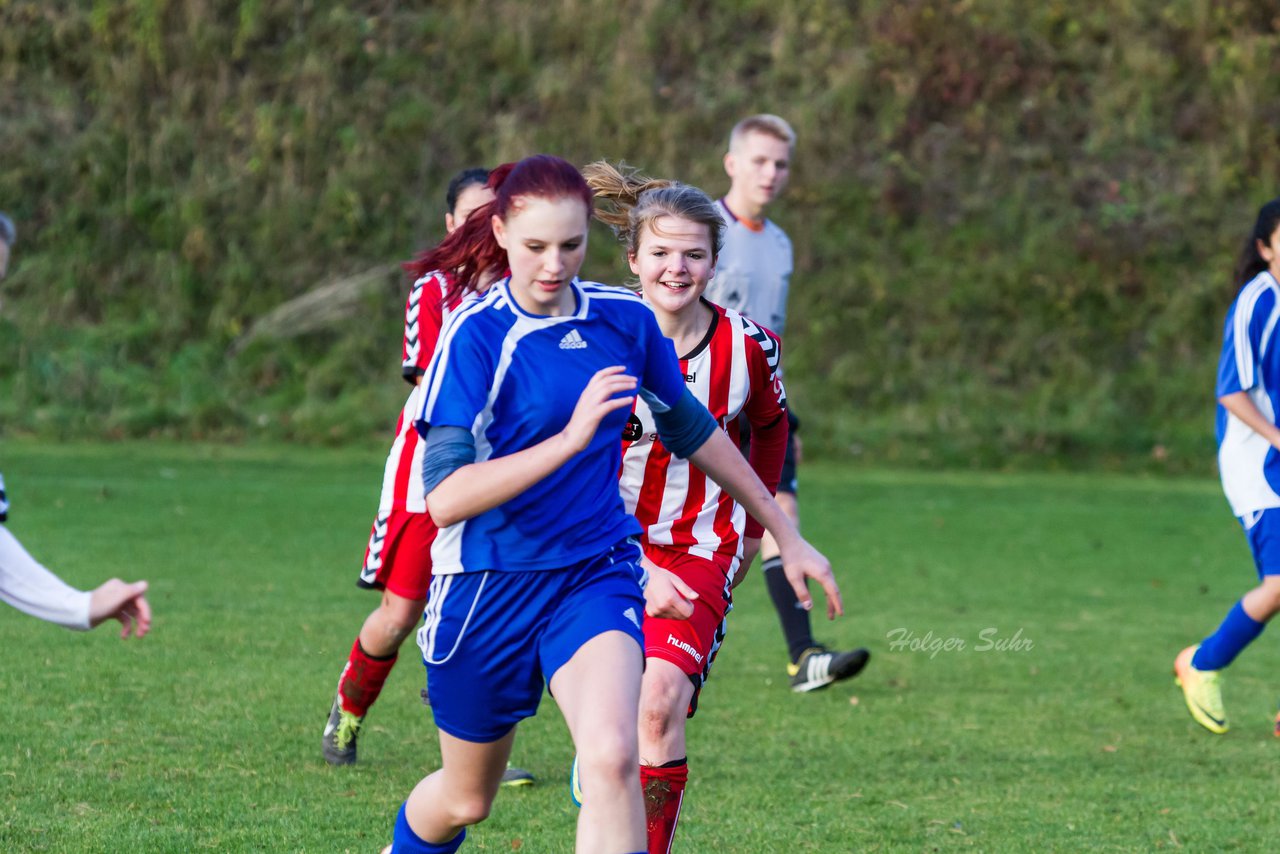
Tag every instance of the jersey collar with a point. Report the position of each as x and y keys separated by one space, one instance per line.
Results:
x=580 y=301
x=749 y=224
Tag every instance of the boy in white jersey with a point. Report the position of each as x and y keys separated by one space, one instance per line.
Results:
x=752 y=276
x=1248 y=391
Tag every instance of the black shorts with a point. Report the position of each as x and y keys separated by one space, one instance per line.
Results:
x=787 y=483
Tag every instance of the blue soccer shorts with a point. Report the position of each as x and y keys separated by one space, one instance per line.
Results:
x=492 y=640
x=1262 y=530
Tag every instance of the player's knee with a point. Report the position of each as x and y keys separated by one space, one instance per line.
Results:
x=1269 y=595
x=400 y=617
x=611 y=759
x=466 y=810
x=389 y=635
x=659 y=707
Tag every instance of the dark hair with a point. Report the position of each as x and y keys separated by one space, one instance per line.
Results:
x=471 y=251
x=461 y=181
x=1250 y=263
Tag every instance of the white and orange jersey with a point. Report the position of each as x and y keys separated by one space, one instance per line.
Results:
x=424 y=316
x=733 y=370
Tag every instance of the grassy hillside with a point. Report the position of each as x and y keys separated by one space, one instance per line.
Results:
x=1014 y=225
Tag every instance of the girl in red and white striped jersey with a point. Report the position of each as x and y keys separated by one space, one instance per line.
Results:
x=398 y=558
x=696 y=537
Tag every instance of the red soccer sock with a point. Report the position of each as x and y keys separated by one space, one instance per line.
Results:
x=362 y=679
x=663 y=787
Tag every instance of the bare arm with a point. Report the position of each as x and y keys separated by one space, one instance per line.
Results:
x=1242 y=406
x=475 y=488
x=725 y=465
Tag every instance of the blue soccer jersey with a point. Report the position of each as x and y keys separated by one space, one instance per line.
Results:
x=513 y=379
x=1250 y=362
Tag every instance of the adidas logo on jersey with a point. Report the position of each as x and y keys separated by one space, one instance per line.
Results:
x=572 y=341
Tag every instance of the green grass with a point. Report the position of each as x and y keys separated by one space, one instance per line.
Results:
x=205 y=735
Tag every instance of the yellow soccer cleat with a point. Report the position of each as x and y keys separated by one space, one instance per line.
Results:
x=1202 y=692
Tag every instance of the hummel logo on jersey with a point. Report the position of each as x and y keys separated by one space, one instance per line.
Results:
x=572 y=341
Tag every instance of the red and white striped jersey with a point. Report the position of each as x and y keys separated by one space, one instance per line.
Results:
x=734 y=370
x=425 y=314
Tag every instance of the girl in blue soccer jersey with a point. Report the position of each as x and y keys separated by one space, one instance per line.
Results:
x=537 y=574
x=1249 y=463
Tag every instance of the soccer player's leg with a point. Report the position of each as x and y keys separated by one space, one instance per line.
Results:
x=435 y=817
x=398 y=560
x=678 y=659
x=1197 y=668
x=484 y=676
x=665 y=697
x=811 y=665
x=592 y=654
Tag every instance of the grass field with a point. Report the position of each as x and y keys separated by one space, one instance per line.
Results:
x=205 y=735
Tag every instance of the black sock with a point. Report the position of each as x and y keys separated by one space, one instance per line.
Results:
x=794 y=619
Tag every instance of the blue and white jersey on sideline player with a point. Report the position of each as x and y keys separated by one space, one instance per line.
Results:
x=513 y=379
x=1248 y=464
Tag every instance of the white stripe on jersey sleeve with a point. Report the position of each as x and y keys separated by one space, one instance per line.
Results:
x=1271 y=321
x=1245 y=305
x=595 y=289
x=440 y=359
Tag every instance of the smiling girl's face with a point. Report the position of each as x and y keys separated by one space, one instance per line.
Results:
x=674 y=262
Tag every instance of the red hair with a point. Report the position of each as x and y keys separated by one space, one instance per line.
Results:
x=471 y=252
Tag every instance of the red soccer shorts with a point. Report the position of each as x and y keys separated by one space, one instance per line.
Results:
x=691 y=644
x=398 y=558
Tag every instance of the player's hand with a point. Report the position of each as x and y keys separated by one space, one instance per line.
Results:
x=116 y=600
x=597 y=400
x=750 y=548
x=802 y=561
x=666 y=596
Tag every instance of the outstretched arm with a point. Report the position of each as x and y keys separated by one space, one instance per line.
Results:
x=32 y=589
x=718 y=457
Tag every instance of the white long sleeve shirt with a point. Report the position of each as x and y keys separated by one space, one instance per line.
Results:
x=32 y=589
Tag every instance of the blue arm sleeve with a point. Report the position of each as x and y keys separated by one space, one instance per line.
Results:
x=684 y=427
x=447 y=450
